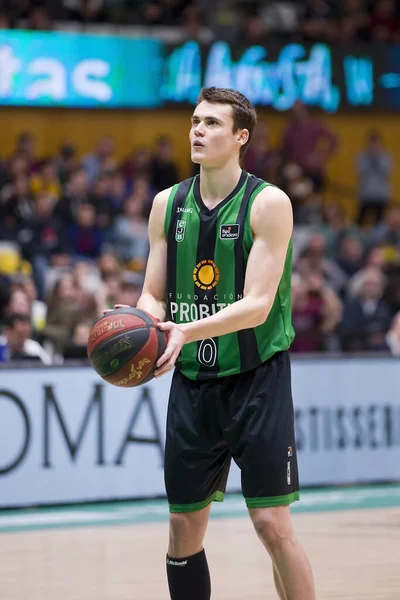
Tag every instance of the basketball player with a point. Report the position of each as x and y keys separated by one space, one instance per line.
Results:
x=219 y=271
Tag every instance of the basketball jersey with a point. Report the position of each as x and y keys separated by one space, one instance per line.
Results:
x=206 y=265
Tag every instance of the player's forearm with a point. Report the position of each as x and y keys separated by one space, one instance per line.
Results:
x=243 y=314
x=150 y=304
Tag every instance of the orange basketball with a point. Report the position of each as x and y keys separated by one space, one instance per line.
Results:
x=124 y=346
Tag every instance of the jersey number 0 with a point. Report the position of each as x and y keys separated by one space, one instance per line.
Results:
x=207 y=353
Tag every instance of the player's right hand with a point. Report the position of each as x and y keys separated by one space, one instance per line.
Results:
x=107 y=310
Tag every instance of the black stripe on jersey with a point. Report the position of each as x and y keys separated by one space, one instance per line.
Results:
x=172 y=244
x=206 y=251
x=248 y=347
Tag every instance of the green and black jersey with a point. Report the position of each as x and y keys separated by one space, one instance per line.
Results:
x=206 y=265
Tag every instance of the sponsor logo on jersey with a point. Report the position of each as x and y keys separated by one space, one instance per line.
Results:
x=187 y=312
x=229 y=232
x=182 y=209
x=206 y=274
x=180 y=231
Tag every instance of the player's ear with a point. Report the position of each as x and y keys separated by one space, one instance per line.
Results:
x=242 y=136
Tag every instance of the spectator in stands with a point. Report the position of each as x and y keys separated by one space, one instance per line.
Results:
x=117 y=192
x=316 y=312
x=366 y=316
x=46 y=243
x=24 y=286
x=67 y=305
x=163 y=169
x=5 y=21
x=392 y=338
x=130 y=235
x=85 y=239
x=137 y=164
x=309 y=143
x=20 y=203
x=76 y=348
x=76 y=192
x=39 y=19
x=392 y=290
x=100 y=198
x=17 y=330
x=354 y=23
x=313 y=259
x=84 y=10
x=374 y=165
x=301 y=191
x=131 y=287
x=66 y=162
x=25 y=148
x=335 y=226
x=385 y=24
x=102 y=159
x=318 y=23
x=19 y=166
x=350 y=255
x=387 y=233
x=46 y=180
x=5 y=296
x=254 y=30
x=260 y=159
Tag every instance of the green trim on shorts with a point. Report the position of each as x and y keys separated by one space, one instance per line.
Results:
x=185 y=508
x=272 y=500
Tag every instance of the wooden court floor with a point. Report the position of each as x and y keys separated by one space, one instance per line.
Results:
x=355 y=556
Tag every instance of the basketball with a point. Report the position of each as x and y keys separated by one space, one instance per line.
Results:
x=124 y=346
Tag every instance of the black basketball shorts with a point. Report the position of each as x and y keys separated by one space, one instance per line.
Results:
x=247 y=417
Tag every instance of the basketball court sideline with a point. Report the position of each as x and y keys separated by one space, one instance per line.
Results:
x=116 y=550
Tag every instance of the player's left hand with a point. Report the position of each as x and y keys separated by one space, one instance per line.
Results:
x=176 y=339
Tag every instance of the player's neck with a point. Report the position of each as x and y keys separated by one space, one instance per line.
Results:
x=217 y=183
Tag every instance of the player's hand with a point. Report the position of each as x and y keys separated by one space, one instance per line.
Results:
x=176 y=339
x=107 y=310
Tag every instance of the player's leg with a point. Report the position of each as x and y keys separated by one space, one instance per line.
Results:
x=279 y=584
x=293 y=578
x=187 y=531
x=259 y=431
x=196 y=469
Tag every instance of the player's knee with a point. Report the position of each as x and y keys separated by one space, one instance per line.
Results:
x=273 y=527
x=185 y=526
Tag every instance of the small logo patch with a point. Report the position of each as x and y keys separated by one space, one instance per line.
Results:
x=229 y=232
x=180 y=231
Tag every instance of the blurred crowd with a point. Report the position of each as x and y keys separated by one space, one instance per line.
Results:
x=73 y=239
x=251 y=21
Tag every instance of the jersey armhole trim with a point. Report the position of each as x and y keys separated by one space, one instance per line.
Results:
x=248 y=236
x=168 y=212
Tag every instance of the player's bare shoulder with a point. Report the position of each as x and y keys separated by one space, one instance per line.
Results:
x=271 y=213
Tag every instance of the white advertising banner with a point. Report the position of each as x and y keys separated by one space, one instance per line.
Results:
x=66 y=436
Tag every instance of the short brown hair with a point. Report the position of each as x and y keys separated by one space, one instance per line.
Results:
x=244 y=113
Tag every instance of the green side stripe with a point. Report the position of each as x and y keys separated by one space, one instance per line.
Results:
x=183 y=508
x=272 y=500
x=228 y=346
x=169 y=209
x=186 y=261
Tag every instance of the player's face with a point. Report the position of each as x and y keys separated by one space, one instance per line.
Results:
x=212 y=140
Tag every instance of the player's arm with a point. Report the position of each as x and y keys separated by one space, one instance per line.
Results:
x=152 y=298
x=272 y=223
x=271 y=220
